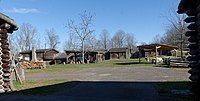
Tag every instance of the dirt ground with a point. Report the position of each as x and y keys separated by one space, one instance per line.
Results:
x=108 y=84
x=140 y=74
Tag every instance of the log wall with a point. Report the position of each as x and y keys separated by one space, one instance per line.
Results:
x=7 y=25
x=192 y=9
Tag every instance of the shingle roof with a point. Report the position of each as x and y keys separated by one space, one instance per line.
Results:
x=61 y=56
x=163 y=46
x=37 y=51
x=118 y=49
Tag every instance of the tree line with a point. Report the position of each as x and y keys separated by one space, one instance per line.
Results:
x=175 y=32
x=27 y=37
x=80 y=36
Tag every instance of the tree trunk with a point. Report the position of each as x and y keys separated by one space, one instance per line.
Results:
x=83 y=51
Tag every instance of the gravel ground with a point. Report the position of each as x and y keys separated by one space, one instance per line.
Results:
x=141 y=74
x=108 y=84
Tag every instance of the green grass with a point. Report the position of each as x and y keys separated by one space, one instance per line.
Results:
x=41 y=87
x=108 y=63
x=164 y=89
x=60 y=68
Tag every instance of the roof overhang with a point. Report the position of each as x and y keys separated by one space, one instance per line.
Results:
x=160 y=46
x=5 y=19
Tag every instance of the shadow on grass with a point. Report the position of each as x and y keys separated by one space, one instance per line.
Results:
x=132 y=63
x=45 y=90
x=159 y=91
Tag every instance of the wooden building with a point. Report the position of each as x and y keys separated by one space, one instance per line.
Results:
x=7 y=25
x=150 y=50
x=75 y=56
x=60 y=58
x=41 y=54
x=192 y=9
x=119 y=53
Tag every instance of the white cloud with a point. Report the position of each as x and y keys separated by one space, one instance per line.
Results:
x=23 y=10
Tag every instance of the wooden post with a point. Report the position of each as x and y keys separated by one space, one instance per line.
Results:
x=157 y=53
x=139 y=55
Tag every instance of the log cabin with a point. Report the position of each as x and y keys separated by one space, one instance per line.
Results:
x=75 y=56
x=119 y=53
x=150 y=50
x=41 y=54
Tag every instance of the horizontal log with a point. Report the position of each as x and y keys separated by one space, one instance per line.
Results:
x=1 y=87
x=192 y=26
x=1 y=72
x=190 y=19
x=6 y=70
x=193 y=39
x=7 y=89
x=3 y=31
x=6 y=79
x=191 y=33
x=191 y=13
x=4 y=56
x=1 y=83
x=1 y=77
x=5 y=51
x=6 y=74
x=194 y=71
x=6 y=65
x=193 y=46
x=5 y=60
x=194 y=78
x=193 y=65
x=193 y=52
x=192 y=58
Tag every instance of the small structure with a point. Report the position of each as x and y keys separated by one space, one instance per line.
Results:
x=192 y=9
x=119 y=53
x=41 y=54
x=60 y=58
x=75 y=56
x=7 y=25
x=100 y=55
x=156 y=49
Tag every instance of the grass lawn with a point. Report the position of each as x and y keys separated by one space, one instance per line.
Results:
x=41 y=87
x=59 y=68
x=109 y=63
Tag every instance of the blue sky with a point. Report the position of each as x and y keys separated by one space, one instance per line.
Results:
x=143 y=18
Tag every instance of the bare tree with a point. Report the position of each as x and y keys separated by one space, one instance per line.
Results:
x=52 y=38
x=118 y=40
x=176 y=31
x=130 y=40
x=72 y=42
x=91 y=42
x=105 y=39
x=26 y=37
x=98 y=44
x=13 y=45
x=83 y=29
x=156 y=39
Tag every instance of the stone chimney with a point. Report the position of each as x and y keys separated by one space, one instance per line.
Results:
x=34 y=58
